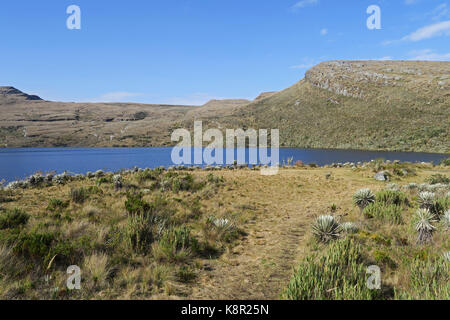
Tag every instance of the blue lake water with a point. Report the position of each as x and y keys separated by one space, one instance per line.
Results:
x=16 y=164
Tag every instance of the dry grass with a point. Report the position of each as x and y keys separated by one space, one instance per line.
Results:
x=274 y=214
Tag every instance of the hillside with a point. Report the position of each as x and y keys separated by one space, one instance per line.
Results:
x=376 y=105
x=373 y=105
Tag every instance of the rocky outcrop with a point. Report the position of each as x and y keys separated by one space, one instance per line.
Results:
x=356 y=78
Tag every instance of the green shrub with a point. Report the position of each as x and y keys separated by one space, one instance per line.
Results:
x=69 y=251
x=94 y=190
x=186 y=183
x=377 y=165
x=383 y=257
x=440 y=206
x=79 y=195
x=377 y=238
x=445 y=162
x=103 y=180
x=159 y=209
x=34 y=244
x=195 y=209
x=5 y=195
x=438 y=178
x=391 y=213
x=211 y=178
x=177 y=239
x=135 y=205
x=147 y=174
x=140 y=115
x=56 y=204
x=429 y=280
x=389 y=197
x=402 y=170
x=13 y=218
x=186 y=274
x=140 y=232
x=175 y=182
x=339 y=274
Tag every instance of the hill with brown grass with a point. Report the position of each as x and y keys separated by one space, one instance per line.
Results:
x=373 y=105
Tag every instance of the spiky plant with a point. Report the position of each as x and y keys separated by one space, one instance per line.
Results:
x=445 y=220
x=223 y=224
x=118 y=181
x=392 y=187
x=326 y=228
x=424 y=225
x=426 y=200
x=446 y=256
x=139 y=232
x=411 y=186
x=349 y=227
x=363 y=197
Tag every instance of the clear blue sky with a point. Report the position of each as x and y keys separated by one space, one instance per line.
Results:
x=190 y=51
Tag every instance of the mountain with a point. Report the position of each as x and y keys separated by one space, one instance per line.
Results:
x=372 y=105
x=12 y=95
x=28 y=121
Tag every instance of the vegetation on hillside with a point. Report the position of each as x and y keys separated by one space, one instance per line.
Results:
x=230 y=233
x=404 y=233
x=397 y=106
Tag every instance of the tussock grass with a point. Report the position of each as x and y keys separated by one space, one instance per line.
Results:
x=339 y=274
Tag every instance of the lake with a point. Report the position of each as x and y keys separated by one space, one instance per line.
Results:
x=16 y=164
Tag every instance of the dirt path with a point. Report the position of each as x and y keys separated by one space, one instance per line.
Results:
x=260 y=267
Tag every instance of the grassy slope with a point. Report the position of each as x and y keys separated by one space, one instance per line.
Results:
x=408 y=114
x=273 y=213
x=26 y=123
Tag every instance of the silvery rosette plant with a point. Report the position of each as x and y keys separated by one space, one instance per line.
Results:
x=349 y=227
x=117 y=181
x=221 y=223
x=363 y=197
x=445 y=220
x=424 y=220
x=426 y=200
x=446 y=256
x=326 y=228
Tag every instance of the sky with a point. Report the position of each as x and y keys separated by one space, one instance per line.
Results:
x=191 y=51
